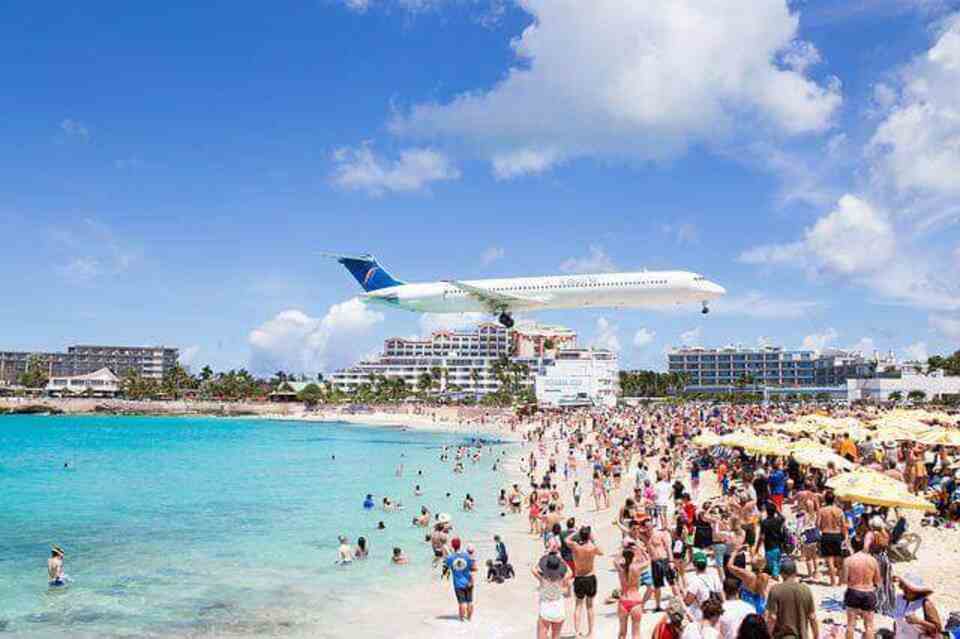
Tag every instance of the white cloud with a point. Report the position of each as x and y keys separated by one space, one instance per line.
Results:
x=917 y=146
x=519 y=162
x=96 y=251
x=643 y=337
x=430 y=322
x=691 y=337
x=75 y=128
x=188 y=355
x=361 y=169
x=829 y=244
x=297 y=342
x=800 y=55
x=491 y=255
x=819 y=341
x=917 y=352
x=597 y=261
x=652 y=78
x=949 y=327
x=761 y=306
x=608 y=335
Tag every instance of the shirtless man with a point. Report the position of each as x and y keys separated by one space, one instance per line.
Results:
x=833 y=535
x=552 y=518
x=585 y=551
x=660 y=544
x=861 y=573
x=438 y=541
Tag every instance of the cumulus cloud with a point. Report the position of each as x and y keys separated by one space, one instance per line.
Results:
x=430 y=322
x=691 y=337
x=917 y=146
x=607 y=335
x=916 y=352
x=860 y=242
x=596 y=261
x=651 y=79
x=829 y=243
x=643 y=337
x=359 y=168
x=491 y=255
x=297 y=342
x=819 y=341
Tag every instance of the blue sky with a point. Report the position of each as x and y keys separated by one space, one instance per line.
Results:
x=170 y=175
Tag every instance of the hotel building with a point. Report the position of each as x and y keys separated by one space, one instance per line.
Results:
x=580 y=377
x=150 y=361
x=465 y=357
x=711 y=369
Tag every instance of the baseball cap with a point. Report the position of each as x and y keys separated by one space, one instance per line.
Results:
x=455 y=543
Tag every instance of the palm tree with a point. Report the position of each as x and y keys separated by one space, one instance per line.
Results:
x=895 y=396
x=475 y=379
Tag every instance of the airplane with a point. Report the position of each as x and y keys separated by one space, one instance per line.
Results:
x=503 y=297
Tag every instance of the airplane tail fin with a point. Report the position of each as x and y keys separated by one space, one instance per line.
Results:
x=367 y=271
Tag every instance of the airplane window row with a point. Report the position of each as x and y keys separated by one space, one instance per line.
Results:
x=577 y=285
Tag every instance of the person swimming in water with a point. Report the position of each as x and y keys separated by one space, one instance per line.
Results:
x=368 y=503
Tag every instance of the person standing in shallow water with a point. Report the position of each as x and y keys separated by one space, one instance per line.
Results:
x=55 y=574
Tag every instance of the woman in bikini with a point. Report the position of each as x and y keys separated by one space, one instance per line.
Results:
x=630 y=567
x=754 y=584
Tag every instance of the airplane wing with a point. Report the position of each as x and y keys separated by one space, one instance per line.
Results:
x=498 y=301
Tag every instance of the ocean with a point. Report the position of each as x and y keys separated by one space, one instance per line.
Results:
x=214 y=527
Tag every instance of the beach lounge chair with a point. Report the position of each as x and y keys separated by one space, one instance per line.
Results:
x=903 y=545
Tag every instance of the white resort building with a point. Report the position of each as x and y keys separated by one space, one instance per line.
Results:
x=464 y=359
x=933 y=385
x=580 y=377
x=101 y=383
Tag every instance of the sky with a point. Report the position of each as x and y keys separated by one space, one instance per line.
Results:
x=171 y=174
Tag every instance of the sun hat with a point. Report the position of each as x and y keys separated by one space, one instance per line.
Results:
x=552 y=568
x=915 y=583
x=876 y=522
x=58 y=550
x=443 y=518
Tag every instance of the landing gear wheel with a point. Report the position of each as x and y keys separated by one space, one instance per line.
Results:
x=506 y=320
x=705 y=309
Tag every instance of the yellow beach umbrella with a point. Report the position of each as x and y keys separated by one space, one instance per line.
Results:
x=820 y=458
x=862 y=478
x=706 y=440
x=940 y=437
x=877 y=495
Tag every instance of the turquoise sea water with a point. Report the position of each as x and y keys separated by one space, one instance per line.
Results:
x=196 y=527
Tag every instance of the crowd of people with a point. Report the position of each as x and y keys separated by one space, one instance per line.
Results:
x=733 y=557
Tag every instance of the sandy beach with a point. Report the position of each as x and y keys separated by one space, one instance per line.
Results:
x=509 y=610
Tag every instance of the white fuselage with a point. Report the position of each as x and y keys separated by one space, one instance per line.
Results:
x=617 y=290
